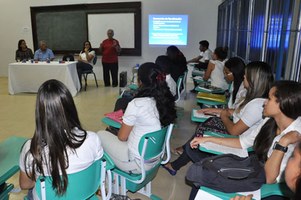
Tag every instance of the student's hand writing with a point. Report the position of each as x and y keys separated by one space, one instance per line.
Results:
x=249 y=197
x=290 y=138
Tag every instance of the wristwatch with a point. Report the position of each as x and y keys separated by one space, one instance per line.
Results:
x=279 y=147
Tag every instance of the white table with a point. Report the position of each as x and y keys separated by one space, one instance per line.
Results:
x=28 y=77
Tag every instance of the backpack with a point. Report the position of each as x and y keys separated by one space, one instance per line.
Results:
x=228 y=173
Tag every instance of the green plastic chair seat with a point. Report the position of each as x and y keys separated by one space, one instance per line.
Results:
x=152 y=145
x=5 y=193
x=9 y=162
x=10 y=153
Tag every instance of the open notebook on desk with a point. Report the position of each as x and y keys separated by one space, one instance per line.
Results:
x=200 y=117
x=205 y=87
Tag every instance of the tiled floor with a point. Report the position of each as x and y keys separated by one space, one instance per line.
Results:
x=17 y=118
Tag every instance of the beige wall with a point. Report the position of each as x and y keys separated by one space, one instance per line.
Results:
x=15 y=23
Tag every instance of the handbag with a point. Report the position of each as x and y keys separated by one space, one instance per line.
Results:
x=228 y=173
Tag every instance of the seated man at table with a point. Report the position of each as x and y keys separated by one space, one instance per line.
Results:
x=43 y=53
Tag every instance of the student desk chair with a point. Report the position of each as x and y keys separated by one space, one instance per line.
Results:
x=217 y=151
x=151 y=146
x=9 y=162
x=266 y=190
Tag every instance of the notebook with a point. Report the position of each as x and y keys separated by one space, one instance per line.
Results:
x=209 y=88
x=196 y=114
x=220 y=149
x=116 y=116
x=212 y=97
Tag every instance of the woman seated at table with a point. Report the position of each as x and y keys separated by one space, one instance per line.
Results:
x=85 y=60
x=215 y=68
x=23 y=52
x=59 y=146
x=151 y=109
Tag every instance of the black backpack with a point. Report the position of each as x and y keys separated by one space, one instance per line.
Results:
x=228 y=173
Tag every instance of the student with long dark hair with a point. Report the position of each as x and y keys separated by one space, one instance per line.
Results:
x=234 y=71
x=276 y=137
x=151 y=109
x=59 y=146
x=178 y=62
x=85 y=60
x=246 y=116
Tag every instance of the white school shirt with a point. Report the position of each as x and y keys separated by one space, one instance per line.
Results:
x=206 y=55
x=142 y=114
x=294 y=126
x=251 y=115
x=84 y=156
x=83 y=56
x=217 y=75
x=171 y=84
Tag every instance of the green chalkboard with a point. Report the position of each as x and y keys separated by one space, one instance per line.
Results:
x=65 y=27
x=62 y=30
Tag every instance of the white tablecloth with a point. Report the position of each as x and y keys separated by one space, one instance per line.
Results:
x=28 y=77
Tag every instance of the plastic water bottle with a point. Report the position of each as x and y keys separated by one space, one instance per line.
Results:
x=135 y=73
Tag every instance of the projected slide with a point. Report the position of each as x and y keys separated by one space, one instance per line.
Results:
x=168 y=29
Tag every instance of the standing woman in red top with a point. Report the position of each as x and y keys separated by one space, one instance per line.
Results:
x=110 y=49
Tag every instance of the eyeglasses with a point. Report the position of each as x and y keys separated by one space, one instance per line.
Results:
x=229 y=74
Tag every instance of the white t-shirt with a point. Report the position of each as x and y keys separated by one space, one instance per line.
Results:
x=171 y=84
x=142 y=114
x=90 y=151
x=206 y=55
x=83 y=56
x=251 y=115
x=294 y=126
x=217 y=75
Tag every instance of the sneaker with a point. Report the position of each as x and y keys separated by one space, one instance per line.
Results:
x=170 y=171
